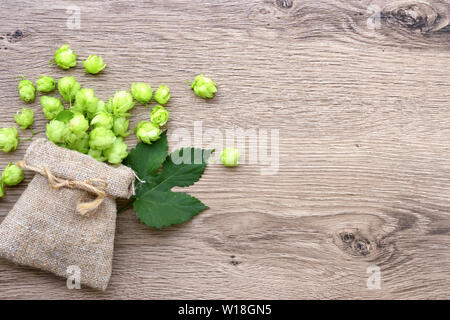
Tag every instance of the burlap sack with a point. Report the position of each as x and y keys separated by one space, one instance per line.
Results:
x=44 y=229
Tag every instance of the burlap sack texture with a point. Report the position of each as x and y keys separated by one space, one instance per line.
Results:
x=45 y=231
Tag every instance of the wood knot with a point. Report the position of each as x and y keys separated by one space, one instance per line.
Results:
x=14 y=36
x=284 y=4
x=272 y=13
x=416 y=15
x=353 y=242
x=262 y=13
x=361 y=246
x=347 y=237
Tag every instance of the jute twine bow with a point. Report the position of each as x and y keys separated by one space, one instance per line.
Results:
x=90 y=186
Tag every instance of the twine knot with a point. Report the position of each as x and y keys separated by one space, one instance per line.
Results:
x=91 y=186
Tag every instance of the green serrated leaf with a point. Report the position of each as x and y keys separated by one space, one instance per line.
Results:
x=182 y=168
x=65 y=116
x=162 y=209
x=146 y=159
x=154 y=203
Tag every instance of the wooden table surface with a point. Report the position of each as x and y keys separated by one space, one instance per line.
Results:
x=358 y=92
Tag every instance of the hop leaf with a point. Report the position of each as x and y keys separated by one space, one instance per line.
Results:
x=161 y=209
x=182 y=168
x=156 y=205
x=146 y=159
x=65 y=116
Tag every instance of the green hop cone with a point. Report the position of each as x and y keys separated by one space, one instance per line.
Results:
x=204 y=87
x=159 y=115
x=117 y=152
x=120 y=127
x=78 y=141
x=8 y=139
x=162 y=94
x=101 y=138
x=24 y=83
x=99 y=108
x=78 y=123
x=120 y=104
x=57 y=131
x=230 y=157
x=45 y=84
x=103 y=119
x=51 y=107
x=72 y=137
x=85 y=102
x=147 y=132
x=27 y=91
x=97 y=155
x=93 y=64
x=65 y=58
x=68 y=87
x=2 y=189
x=142 y=92
x=12 y=175
x=24 y=118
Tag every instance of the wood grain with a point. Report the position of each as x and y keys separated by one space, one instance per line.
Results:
x=364 y=154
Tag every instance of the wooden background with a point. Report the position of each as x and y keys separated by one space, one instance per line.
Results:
x=358 y=90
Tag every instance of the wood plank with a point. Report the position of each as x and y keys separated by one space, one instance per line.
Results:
x=363 y=121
